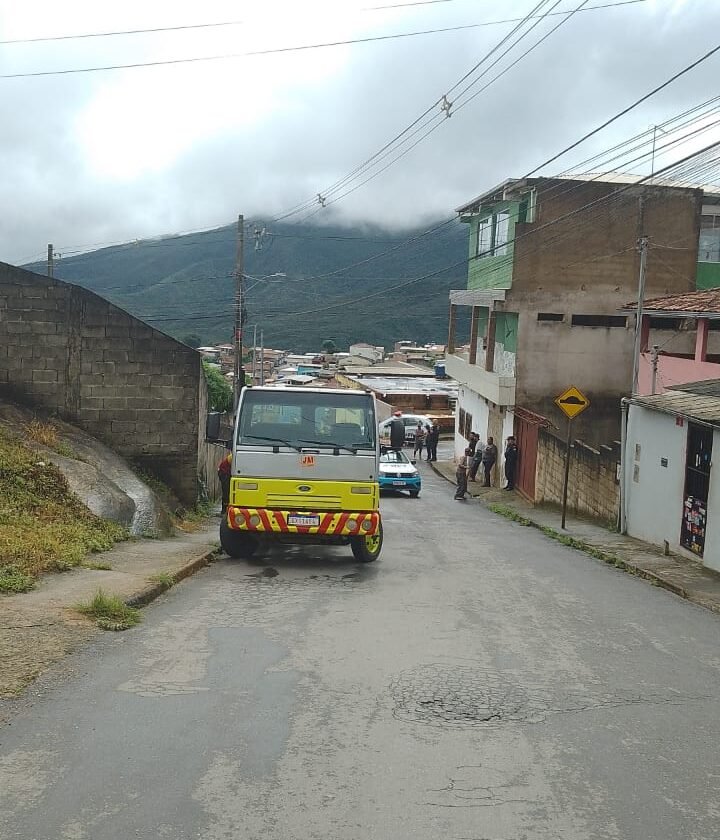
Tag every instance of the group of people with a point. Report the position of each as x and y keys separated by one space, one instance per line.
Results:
x=477 y=455
x=426 y=437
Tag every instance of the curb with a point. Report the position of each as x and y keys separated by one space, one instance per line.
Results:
x=618 y=562
x=155 y=590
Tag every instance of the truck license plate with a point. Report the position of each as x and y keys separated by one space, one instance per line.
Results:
x=304 y=521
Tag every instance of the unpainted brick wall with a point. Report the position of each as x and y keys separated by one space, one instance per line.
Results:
x=69 y=351
x=593 y=489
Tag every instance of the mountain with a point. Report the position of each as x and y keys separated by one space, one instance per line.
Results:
x=347 y=284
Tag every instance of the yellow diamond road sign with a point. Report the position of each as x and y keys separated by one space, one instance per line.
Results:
x=572 y=401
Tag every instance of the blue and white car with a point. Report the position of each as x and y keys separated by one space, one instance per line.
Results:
x=398 y=472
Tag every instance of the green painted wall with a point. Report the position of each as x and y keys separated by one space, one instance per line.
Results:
x=492 y=272
x=708 y=275
x=506 y=330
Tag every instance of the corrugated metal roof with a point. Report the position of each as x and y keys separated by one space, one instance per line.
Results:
x=699 y=408
x=705 y=302
x=706 y=387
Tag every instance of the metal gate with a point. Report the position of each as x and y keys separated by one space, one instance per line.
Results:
x=527 y=424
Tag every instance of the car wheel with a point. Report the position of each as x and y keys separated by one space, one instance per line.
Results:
x=237 y=544
x=367 y=549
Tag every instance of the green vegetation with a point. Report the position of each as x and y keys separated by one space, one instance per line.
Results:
x=187 y=287
x=329 y=346
x=219 y=391
x=192 y=340
x=164 y=579
x=47 y=435
x=96 y=566
x=12 y=579
x=43 y=526
x=509 y=513
x=109 y=612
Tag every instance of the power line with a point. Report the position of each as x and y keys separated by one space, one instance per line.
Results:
x=190 y=26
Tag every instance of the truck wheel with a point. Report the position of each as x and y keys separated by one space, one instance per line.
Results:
x=237 y=544
x=367 y=549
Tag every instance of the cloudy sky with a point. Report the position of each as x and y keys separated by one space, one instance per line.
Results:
x=108 y=156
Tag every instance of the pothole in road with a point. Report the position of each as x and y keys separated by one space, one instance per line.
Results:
x=461 y=696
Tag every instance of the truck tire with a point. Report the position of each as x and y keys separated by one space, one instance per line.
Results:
x=237 y=544
x=367 y=549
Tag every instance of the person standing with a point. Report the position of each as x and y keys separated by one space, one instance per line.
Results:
x=473 y=442
x=431 y=442
x=419 y=439
x=224 y=474
x=511 y=459
x=461 y=474
x=397 y=432
x=476 y=461
x=489 y=457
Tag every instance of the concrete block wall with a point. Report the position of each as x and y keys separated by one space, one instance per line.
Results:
x=70 y=352
x=593 y=488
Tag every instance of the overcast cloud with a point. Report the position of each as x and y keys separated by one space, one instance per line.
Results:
x=113 y=156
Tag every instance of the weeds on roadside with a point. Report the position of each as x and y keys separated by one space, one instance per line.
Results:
x=43 y=526
x=110 y=612
x=509 y=513
x=96 y=566
x=164 y=579
x=13 y=579
x=47 y=435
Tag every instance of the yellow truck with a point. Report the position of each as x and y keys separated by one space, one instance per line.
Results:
x=304 y=470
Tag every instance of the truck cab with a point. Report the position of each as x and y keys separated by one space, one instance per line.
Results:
x=304 y=470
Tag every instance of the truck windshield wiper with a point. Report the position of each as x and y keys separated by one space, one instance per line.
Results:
x=352 y=449
x=274 y=440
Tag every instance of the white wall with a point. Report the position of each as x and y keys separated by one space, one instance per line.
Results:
x=655 y=494
x=476 y=405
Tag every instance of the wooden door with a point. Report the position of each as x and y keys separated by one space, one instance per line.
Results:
x=526 y=433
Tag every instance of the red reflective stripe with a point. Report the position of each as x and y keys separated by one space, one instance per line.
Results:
x=325 y=524
x=264 y=519
x=280 y=519
x=341 y=523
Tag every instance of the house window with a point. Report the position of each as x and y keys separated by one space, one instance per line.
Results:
x=599 y=321
x=550 y=316
x=484 y=237
x=502 y=226
x=467 y=427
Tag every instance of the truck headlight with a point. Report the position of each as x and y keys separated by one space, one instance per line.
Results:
x=246 y=485
x=366 y=491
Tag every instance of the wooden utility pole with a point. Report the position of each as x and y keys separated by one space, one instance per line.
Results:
x=239 y=275
x=637 y=346
x=50 y=261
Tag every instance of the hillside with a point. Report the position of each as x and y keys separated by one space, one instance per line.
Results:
x=184 y=285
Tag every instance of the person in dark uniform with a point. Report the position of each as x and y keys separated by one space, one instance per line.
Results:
x=431 y=442
x=511 y=458
x=397 y=431
x=224 y=474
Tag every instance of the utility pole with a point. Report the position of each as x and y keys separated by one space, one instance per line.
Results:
x=50 y=262
x=254 y=356
x=654 y=361
x=642 y=247
x=239 y=271
x=262 y=357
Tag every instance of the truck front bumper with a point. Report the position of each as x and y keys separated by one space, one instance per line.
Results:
x=320 y=523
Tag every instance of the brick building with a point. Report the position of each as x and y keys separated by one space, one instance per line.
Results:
x=551 y=263
x=70 y=352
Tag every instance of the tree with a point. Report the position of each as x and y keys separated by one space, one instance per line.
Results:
x=329 y=346
x=191 y=340
x=220 y=393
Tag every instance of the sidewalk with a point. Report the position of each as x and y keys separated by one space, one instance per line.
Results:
x=686 y=578
x=39 y=627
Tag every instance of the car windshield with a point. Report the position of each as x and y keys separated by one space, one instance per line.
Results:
x=394 y=457
x=295 y=418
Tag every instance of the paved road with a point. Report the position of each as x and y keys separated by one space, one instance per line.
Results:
x=479 y=681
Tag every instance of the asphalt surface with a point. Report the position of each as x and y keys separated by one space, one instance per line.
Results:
x=478 y=682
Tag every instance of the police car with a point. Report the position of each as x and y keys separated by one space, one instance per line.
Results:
x=398 y=472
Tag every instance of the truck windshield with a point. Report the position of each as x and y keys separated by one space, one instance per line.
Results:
x=293 y=418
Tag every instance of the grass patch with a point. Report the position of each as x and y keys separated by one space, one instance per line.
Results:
x=43 y=526
x=109 y=612
x=47 y=435
x=509 y=513
x=164 y=579
x=96 y=566
x=13 y=579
